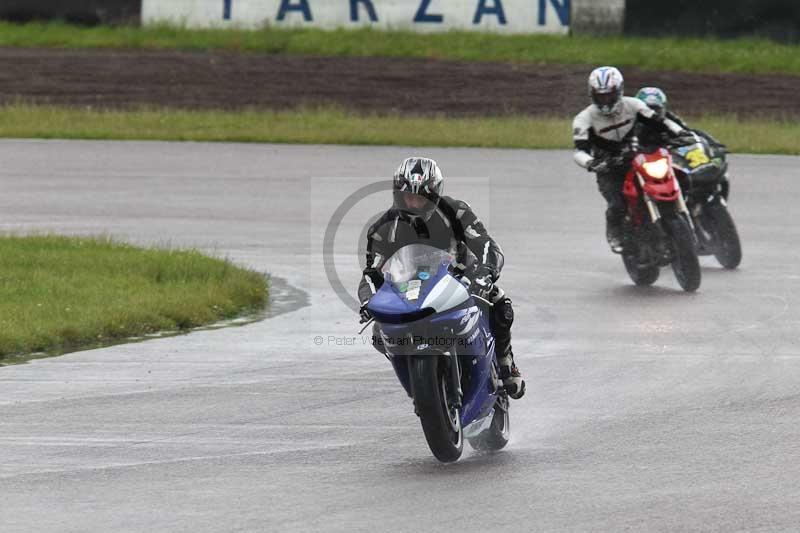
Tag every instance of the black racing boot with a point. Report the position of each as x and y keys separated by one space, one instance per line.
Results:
x=614 y=235
x=509 y=373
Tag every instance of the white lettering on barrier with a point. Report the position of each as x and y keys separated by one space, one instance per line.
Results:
x=507 y=16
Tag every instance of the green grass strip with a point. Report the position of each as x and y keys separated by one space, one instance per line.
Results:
x=60 y=294
x=680 y=54
x=334 y=126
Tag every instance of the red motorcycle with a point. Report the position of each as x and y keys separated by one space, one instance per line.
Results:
x=658 y=228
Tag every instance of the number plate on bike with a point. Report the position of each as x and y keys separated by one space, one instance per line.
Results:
x=412 y=293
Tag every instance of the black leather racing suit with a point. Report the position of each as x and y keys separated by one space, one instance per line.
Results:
x=454 y=227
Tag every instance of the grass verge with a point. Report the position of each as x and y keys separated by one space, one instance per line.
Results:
x=679 y=54
x=334 y=126
x=60 y=294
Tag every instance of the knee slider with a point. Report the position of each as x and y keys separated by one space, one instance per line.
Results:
x=504 y=313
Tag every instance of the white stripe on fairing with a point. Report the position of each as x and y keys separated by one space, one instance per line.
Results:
x=457 y=296
x=377 y=236
x=371 y=285
x=394 y=230
x=460 y=213
x=437 y=290
x=473 y=319
x=486 y=252
x=448 y=293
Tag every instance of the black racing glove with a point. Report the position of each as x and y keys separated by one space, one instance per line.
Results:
x=684 y=138
x=598 y=165
x=483 y=279
x=366 y=314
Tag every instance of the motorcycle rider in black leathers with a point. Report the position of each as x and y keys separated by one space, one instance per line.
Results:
x=656 y=99
x=602 y=130
x=421 y=214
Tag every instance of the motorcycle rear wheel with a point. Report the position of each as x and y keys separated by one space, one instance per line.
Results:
x=496 y=436
x=440 y=423
x=686 y=264
x=727 y=247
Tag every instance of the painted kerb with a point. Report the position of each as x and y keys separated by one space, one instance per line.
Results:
x=501 y=16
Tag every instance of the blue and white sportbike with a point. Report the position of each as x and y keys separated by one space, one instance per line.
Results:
x=438 y=338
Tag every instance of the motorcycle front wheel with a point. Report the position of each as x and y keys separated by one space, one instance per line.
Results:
x=685 y=263
x=440 y=422
x=641 y=276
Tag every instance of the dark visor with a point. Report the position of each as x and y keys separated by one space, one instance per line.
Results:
x=413 y=203
x=605 y=98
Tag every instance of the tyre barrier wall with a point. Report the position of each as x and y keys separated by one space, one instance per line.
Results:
x=776 y=19
x=88 y=12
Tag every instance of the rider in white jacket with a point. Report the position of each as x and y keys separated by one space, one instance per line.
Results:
x=600 y=133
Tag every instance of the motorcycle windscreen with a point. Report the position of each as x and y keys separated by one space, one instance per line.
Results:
x=409 y=275
x=415 y=261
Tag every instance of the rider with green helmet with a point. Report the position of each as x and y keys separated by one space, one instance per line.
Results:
x=656 y=99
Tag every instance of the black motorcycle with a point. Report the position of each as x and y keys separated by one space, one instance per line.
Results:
x=702 y=171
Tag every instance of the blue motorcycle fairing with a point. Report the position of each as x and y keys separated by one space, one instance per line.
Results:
x=481 y=400
x=389 y=304
x=437 y=334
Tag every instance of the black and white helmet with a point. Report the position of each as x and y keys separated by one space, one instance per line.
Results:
x=418 y=177
x=606 y=87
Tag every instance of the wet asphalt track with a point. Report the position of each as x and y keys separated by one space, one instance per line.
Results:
x=648 y=409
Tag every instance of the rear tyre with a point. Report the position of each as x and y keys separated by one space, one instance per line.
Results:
x=440 y=423
x=685 y=264
x=641 y=276
x=496 y=436
x=727 y=247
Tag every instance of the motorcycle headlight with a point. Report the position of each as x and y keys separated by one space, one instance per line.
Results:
x=656 y=169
